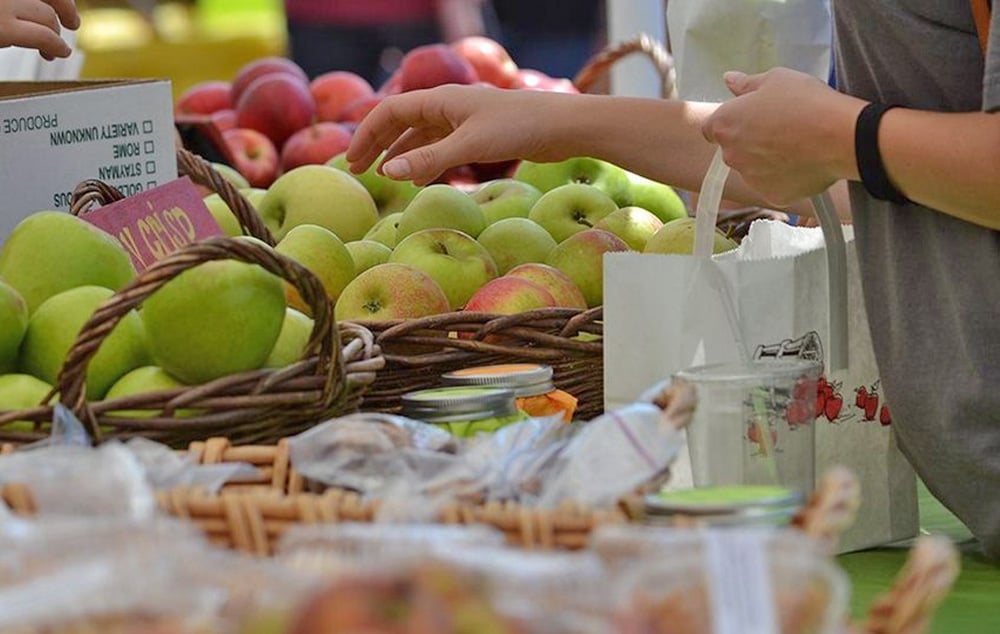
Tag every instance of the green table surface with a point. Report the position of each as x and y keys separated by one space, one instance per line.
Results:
x=973 y=607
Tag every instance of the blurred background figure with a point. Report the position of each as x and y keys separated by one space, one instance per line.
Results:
x=556 y=37
x=369 y=37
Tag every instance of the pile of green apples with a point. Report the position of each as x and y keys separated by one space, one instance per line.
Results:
x=219 y=318
x=388 y=250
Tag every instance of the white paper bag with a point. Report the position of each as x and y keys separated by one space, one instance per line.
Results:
x=709 y=37
x=664 y=313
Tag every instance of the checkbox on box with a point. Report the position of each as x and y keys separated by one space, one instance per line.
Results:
x=150 y=167
x=148 y=147
x=147 y=126
x=150 y=185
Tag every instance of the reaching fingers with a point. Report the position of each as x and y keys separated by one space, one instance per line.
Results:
x=414 y=138
x=43 y=39
x=66 y=10
x=38 y=13
x=390 y=119
x=423 y=164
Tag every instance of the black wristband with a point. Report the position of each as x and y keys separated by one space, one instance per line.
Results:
x=869 y=158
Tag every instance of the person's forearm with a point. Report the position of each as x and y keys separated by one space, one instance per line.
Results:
x=949 y=162
x=659 y=139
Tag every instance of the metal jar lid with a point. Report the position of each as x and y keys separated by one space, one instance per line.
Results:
x=526 y=379
x=459 y=403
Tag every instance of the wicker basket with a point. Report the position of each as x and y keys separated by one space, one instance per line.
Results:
x=569 y=340
x=258 y=406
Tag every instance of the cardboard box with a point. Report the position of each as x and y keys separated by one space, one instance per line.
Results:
x=53 y=135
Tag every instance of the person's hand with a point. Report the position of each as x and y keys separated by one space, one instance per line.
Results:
x=36 y=24
x=787 y=133
x=429 y=131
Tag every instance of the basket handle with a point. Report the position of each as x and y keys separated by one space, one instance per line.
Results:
x=324 y=341
x=95 y=192
x=643 y=43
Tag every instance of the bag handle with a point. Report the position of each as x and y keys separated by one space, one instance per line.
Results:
x=981 y=13
x=833 y=236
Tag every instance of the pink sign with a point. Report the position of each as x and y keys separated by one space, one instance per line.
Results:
x=153 y=224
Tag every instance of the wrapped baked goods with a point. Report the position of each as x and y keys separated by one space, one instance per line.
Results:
x=339 y=549
x=429 y=598
x=722 y=581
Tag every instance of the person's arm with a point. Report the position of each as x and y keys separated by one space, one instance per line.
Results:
x=426 y=132
x=36 y=24
x=790 y=135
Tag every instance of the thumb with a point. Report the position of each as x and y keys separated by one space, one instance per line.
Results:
x=740 y=83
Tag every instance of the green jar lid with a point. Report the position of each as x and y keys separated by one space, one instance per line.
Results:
x=451 y=404
x=526 y=379
x=724 y=500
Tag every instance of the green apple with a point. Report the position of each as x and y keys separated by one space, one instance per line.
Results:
x=292 y=340
x=607 y=177
x=219 y=318
x=389 y=195
x=509 y=296
x=458 y=263
x=557 y=283
x=223 y=215
x=506 y=198
x=51 y=251
x=318 y=195
x=254 y=195
x=145 y=380
x=658 y=198
x=324 y=254
x=367 y=253
x=21 y=391
x=514 y=241
x=581 y=258
x=231 y=174
x=385 y=230
x=634 y=225
x=53 y=329
x=677 y=236
x=572 y=208
x=391 y=291
x=13 y=324
x=441 y=207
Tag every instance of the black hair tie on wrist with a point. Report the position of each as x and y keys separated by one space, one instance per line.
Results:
x=869 y=158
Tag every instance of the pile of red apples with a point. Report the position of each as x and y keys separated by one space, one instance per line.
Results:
x=272 y=118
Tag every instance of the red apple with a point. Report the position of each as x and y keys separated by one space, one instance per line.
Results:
x=264 y=66
x=391 y=85
x=314 y=145
x=278 y=105
x=359 y=108
x=253 y=155
x=509 y=296
x=223 y=119
x=204 y=98
x=490 y=60
x=558 y=284
x=532 y=79
x=433 y=65
x=335 y=90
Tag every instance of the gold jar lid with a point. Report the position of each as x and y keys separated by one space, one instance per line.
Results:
x=526 y=379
